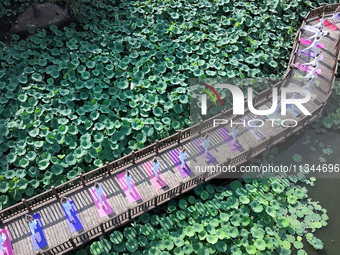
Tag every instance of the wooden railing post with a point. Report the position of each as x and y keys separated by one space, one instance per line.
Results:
x=108 y=168
x=72 y=242
x=180 y=187
x=102 y=227
x=130 y=213
x=155 y=198
x=179 y=136
x=82 y=180
x=26 y=204
x=55 y=192
x=133 y=157
x=156 y=146
x=200 y=127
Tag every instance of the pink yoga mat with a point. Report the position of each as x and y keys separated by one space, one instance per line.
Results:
x=330 y=25
x=307 y=42
x=306 y=68
x=134 y=195
x=7 y=244
x=157 y=184
x=107 y=210
x=308 y=54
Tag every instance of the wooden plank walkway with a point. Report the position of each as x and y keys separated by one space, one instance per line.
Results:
x=53 y=218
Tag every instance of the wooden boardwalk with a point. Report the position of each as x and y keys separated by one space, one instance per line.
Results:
x=55 y=226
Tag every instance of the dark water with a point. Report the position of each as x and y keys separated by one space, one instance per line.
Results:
x=326 y=190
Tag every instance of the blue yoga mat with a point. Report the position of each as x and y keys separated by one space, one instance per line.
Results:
x=39 y=234
x=76 y=226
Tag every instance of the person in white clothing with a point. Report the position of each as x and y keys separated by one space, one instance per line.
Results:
x=32 y=223
x=3 y=239
x=205 y=144
x=235 y=132
x=335 y=15
x=128 y=179
x=312 y=72
x=66 y=204
x=99 y=192
x=155 y=167
x=315 y=61
x=311 y=82
x=182 y=156
x=295 y=96
x=319 y=33
x=313 y=45
x=320 y=24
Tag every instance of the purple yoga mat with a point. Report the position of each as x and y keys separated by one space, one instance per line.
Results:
x=224 y=132
x=256 y=134
x=308 y=54
x=76 y=226
x=39 y=234
x=307 y=42
x=134 y=195
x=209 y=158
x=306 y=68
x=174 y=154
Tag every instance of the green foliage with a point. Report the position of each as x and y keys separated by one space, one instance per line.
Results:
x=277 y=230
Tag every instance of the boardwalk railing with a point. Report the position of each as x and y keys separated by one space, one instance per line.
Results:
x=126 y=161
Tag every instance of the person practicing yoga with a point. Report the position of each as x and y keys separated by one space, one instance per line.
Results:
x=320 y=24
x=99 y=191
x=321 y=32
x=311 y=72
x=315 y=61
x=205 y=144
x=335 y=15
x=311 y=82
x=3 y=239
x=128 y=179
x=32 y=223
x=66 y=204
x=234 y=135
x=155 y=167
x=313 y=45
x=182 y=156
x=256 y=120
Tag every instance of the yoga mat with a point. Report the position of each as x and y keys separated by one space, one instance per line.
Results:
x=134 y=195
x=157 y=184
x=209 y=158
x=306 y=68
x=7 y=244
x=76 y=226
x=224 y=132
x=257 y=135
x=330 y=25
x=307 y=42
x=270 y=116
x=308 y=54
x=310 y=28
x=292 y=85
x=107 y=210
x=39 y=234
x=174 y=154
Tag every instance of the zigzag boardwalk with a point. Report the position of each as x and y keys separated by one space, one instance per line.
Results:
x=57 y=232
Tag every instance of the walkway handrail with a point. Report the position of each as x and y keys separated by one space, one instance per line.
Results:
x=119 y=165
x=126 y=161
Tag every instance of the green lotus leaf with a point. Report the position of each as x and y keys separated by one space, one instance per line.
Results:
x=24 y=162
x=116 y=237
x=96 y=248
x=11 y=157
x=297 y=158
x=10 y=174
x=4 y=187
x=72 y=174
